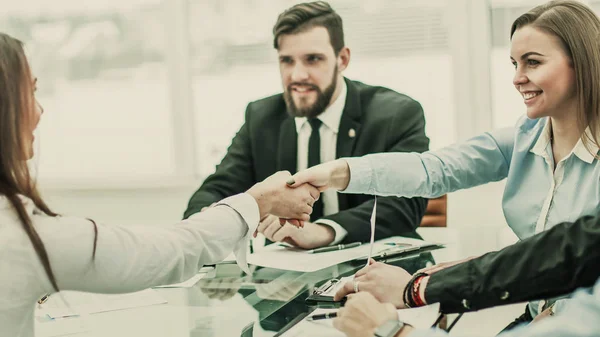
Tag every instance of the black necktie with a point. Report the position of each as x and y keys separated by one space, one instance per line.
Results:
x=314 y=158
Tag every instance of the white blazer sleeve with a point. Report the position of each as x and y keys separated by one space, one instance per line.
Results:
x=131 y=258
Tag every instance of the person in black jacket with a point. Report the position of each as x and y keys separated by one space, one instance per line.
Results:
x=551 y=263
x=353 y=119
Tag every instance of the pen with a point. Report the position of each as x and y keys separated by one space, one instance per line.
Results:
x=327 y=285
x=398 y=244
x=334 y=248
x=322 y=316
x=43 y=299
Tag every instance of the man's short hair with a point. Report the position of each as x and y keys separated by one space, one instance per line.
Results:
x=305 y=16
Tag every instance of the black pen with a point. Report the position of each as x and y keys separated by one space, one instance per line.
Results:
x=322 y=316
x=334 y=248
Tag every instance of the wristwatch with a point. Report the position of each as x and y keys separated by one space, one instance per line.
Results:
x=389 y=328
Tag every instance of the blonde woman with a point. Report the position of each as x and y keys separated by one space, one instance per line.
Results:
x=550 y=157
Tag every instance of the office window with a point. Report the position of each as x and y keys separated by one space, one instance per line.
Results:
x=399 y=44
x=102 y=82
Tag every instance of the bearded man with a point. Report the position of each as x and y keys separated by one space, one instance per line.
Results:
x=320 y=116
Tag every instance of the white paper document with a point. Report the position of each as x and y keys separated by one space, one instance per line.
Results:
x=48 y=327
x=420 y=318
x=287 y=258
x=74 y=303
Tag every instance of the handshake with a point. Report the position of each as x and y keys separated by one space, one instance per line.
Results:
x=290 y=198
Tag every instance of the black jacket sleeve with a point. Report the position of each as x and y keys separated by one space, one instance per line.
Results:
x=395 y=216
x=235 y=173
x=549 y=264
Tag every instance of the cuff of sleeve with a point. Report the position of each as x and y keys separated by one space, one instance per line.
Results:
x=340 y=232
x=452 y=288
x=245 y=205
x=360 y=175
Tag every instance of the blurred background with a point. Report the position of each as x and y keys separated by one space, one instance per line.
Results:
x=142 y=97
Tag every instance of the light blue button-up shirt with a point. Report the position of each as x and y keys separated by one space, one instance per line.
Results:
x=578 y=319
x=537 y=195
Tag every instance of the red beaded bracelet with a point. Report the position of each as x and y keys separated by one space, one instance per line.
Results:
x=416 y=296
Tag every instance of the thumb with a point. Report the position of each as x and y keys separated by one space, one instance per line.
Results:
x=297 y=179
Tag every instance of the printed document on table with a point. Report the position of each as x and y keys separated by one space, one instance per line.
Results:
x=75 y=303
x=289 y=258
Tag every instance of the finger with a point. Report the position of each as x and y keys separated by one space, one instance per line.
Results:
x=348 y=288
x=271 y=230
x=304 y=216
x=372 y=261
x=263 y=225
x=284 y=232
x=361 y=279
x=299 y=179
x=314 y=193
x=296 y=223
x=364 y=270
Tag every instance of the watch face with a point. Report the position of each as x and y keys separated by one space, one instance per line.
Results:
x=389 y=328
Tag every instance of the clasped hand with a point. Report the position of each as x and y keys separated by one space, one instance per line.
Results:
x=275 y=197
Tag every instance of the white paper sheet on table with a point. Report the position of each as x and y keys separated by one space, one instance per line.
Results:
x=286 y=258
x=74 y=303
x=48 y=327
x=420 y=318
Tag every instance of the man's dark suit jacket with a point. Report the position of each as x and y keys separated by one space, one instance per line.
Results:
x=383 y=120
x=552 y=263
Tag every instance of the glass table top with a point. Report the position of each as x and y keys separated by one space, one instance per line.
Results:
x=226 y=302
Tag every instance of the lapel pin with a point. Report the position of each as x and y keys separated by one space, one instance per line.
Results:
x=351 y=133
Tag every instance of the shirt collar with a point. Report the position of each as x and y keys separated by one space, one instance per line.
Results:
x=332 y=115
x=579 y=150
x=540 y=146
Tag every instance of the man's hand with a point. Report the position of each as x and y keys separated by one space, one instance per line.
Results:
x=362 y=314
x=273 y=196
x=311 y=236
x=334 y=174
x=383 y=281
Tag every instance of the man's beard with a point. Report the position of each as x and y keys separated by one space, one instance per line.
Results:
x=320 y=104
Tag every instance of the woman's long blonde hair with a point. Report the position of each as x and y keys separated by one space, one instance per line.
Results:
x=578 y=29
